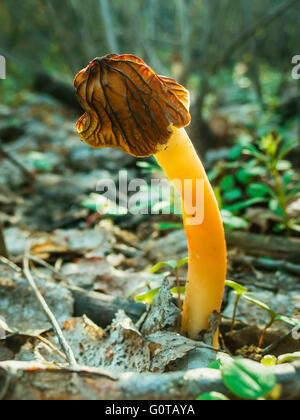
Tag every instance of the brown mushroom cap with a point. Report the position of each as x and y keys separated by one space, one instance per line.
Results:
x=128 y=106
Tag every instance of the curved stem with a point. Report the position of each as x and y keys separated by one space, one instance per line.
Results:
x=204 y=231
x=281 y=198
x=237 y=299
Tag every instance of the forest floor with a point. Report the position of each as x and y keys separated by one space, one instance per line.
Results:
x=88 y=266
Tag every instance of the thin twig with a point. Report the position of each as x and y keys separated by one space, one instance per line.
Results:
x=10 y=264
x=52 y=346
x=49 y=267
x=274 y=345
x=64 y=344
x=267 y=327
x=178 y=288
x=237 y=299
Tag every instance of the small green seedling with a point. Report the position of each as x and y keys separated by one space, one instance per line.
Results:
x=212 y=396
x=290 y=357
x=242 y=292
x=245 y=379
x=239 y=290
x=269 y=361
x=174 y=266
x=271 y=152
x=274 y=317
x=282 y=359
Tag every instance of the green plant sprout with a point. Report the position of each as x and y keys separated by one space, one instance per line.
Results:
x=246 y=380
x=241 y=291
x=152 y=285
x=174 y=266
x=271 y=152
x=257 y=174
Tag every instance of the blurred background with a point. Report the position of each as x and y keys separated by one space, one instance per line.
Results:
x=227 y=53
x=234 y=56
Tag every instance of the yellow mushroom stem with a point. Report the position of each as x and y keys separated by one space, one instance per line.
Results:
x=206 y=239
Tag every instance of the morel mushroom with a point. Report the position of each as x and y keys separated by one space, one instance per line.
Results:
x=130 y=107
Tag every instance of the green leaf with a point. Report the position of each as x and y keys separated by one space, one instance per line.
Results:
x=235 y=222
x=182 y=262
x=159 y=266
x=214 y=173
x=274 y=205
x=253 y=151
x=258 y=189
x=212 y=396
x=174 y=290
x=290 y=357
x=289 y=320
x=295 y=227
x=227 y=183
x=247 y=379
x=270 y=143
x=233 y=195
x=283 y=165
x=100 y=203
x=148 y=297
x=235 y=152
x=147 y=167
x=269 y=361
x=238 y=288
x=41 y=161
x=245 y=204
x=216 y=365
x=170 y=226
x=260 y=305
x=245 y=175
x=288 y=177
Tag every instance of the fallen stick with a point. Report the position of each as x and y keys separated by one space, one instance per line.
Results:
x=41 y=381
x=262 y=245
x=269 y=264
x=101 y=308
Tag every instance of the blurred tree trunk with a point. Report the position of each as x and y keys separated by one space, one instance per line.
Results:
x=109 y=26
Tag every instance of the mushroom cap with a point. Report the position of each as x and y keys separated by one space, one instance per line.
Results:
x=128 y=106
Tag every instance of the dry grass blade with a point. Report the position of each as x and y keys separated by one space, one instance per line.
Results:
x=65 y=346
